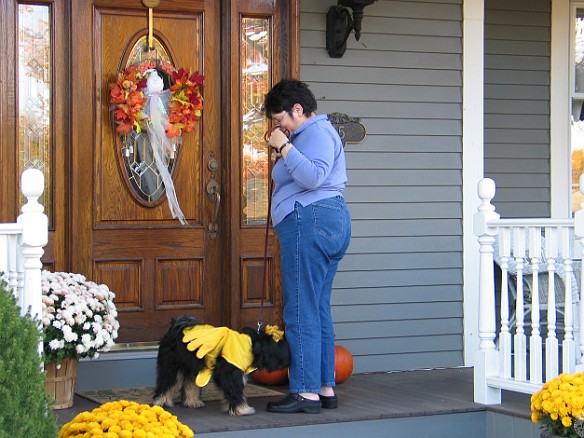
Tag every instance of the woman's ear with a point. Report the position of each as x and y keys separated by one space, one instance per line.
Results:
x=298 y=109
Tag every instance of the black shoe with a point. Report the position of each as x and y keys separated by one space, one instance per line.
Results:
x=293 y=403
x=329 y=401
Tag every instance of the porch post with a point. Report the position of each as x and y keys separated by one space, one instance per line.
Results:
x=486 y=357
x=472 y=162
x=34 y=237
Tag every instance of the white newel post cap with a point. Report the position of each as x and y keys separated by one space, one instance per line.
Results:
x=32 y=183
x=34 y=221
x=486 y=211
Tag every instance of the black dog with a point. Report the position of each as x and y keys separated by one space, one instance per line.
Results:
x=181 y=365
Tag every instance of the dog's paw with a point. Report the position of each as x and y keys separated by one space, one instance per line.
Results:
x=194 y=404
x=241 y=410
x=163 y=400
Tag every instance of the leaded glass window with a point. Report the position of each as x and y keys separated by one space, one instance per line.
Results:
x=34 y=96
x=255 y=83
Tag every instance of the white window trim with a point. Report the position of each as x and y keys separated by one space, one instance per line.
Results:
x=560 y=97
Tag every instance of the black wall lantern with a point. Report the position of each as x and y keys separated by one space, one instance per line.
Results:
x=339 y=25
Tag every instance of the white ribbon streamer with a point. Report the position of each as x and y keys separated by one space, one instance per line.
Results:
x=155 y=110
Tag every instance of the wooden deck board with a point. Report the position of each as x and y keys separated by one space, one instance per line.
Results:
x=362 y=397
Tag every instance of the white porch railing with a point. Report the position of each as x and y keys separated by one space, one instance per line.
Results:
x=21 y=246
x=529 y=329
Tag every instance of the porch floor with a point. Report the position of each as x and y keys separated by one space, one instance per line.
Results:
x=371 y=396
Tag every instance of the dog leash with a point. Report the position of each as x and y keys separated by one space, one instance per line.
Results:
x=268 y=218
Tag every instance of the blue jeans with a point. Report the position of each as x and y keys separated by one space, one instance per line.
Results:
x=313 y=239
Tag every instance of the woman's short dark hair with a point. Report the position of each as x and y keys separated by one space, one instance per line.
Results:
x=285 y=94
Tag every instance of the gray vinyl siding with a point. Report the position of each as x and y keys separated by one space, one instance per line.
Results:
x=517 y=88
x=397 y=298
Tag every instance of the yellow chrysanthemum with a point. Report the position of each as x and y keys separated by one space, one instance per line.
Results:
x=126 y=419
x=558 y=402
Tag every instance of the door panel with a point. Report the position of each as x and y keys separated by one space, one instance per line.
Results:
x=157 y=267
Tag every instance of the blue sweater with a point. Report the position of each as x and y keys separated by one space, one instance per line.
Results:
x=314 y=168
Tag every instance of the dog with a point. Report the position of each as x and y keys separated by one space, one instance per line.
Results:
x=191 y=354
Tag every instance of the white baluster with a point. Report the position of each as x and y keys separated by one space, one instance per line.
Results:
x=13 y=250
x=4 y=254
x=519 y=340
x=568 y=348
x=551 y=342
x=535 y=345
x=505 y=334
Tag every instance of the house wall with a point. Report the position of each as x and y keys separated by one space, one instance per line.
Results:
x=397 y=299
x=517 y=105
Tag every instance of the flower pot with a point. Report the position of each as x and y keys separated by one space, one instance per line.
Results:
x=60 y=382
x=546 y=434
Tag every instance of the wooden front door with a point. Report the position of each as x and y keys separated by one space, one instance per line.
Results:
x=211 y=267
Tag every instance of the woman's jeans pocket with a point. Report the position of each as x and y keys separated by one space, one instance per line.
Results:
x=328 y=220
x=332 y=222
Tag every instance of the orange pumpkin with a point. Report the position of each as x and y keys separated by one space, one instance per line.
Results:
x=271 y=378
x=343 y=364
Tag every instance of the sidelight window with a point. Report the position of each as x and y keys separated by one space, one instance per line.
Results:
x=256 y=70
x=34 y=109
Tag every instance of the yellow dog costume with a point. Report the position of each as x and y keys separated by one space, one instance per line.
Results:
x=212 y=342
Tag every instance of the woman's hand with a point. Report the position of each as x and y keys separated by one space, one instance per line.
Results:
x=277 y=138
x=274 y=155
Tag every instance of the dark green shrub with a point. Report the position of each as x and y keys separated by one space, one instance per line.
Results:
x=25 y=409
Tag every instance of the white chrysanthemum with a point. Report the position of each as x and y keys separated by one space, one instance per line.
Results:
x=71 y=336
x=55 y=344
x=79 y=316
x=86 y=340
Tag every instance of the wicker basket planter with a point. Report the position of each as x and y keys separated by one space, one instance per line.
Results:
x=60 y=382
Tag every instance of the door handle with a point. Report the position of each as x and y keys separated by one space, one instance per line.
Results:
x=213 y=192
x=214 y=196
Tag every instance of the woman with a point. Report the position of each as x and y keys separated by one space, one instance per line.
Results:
x=314 y=228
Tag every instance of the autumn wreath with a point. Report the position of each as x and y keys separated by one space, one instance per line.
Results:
x=128 y=98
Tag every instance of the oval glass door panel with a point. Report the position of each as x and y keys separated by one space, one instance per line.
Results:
x=143 y=161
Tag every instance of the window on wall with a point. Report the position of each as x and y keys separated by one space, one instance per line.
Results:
x=577 y=105
x=34 y=95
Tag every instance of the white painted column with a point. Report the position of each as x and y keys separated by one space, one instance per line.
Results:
x=472 y=163
x=561 y=181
